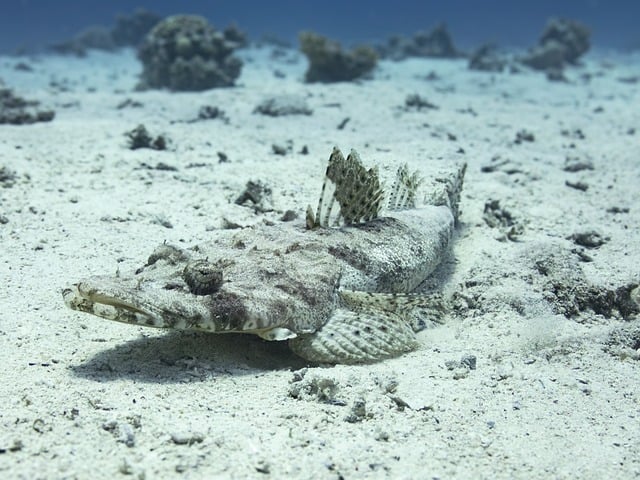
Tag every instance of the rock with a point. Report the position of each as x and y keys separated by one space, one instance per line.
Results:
x=130 y=30
x=573 y=36
x=485 y=59
x=583 y=187
x=460 y=373
x=8 y=177
x=187 y=438
x=282 y=105
x=328 y=62
x=122 y=431
x=343 y=123
x=556 y=75
x=126 y=435
x=16 y=110
x=129 y=103
x=542 y=273
x=462 y=367
x=358 y=411
x=545 y=57
x=92 y=38
x=576 y=164
x=288 y=216
x=589 y=239
x=524 y=136
x=263 y=467
x=415 y=101
x=562 y=42
x=185 y=53
x=279 y=149
x=235 y=36
x=470 y=361
x=309 y=386
x=139 y=137
x=23 y=67
x=624 y=341
x=498 y=217
x=210 y=112
x=257 y=195
x=436 y=42
x=563 y=282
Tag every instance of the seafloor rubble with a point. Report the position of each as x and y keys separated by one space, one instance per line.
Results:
x=16 y=110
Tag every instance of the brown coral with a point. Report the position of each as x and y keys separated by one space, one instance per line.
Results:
x=184 y=52
x=328 y=62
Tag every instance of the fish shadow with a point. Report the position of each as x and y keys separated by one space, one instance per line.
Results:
x=179 y=357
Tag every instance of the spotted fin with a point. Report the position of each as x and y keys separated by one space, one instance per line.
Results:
x=419 y=310
x=350 y=193
x=403 y=191
x=356 y=337
x=370 y=327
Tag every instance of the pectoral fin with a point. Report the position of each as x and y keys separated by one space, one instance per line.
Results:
x=356 y=337
x=370 y=327
x=418 y=310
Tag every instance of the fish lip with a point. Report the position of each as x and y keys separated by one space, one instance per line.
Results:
x=91 y=300
x=122 y=300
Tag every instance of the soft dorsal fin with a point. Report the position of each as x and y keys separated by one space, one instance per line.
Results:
x=403 y=190
x=356 y=190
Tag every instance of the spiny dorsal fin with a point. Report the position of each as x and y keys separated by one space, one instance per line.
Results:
x=403 y=190
x=356 y=190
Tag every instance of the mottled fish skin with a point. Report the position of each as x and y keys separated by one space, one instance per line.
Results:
x=276 y=276
x=279 y=281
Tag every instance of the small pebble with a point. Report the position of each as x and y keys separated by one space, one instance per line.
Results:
x=460 y=373
x=263 y=467
x=589 y=239
x=469 y=361
x=278 y=149
x=187 y=438
x=126 y=435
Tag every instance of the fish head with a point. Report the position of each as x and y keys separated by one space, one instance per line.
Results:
x=172 y=290
x=188 y=290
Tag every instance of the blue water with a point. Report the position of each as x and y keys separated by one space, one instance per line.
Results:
x=614 y=23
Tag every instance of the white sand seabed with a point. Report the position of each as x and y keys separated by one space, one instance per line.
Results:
x=552 y=396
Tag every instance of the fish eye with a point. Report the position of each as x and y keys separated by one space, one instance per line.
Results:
x=202 y=277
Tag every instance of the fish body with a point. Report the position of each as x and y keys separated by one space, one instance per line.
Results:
x=340 y=294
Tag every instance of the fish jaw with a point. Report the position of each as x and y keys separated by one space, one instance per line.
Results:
x=147 y=303
x=123 y=301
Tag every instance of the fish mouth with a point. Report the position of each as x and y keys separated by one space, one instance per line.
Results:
x=152 y=303
x=126 y=300
x=83 y=298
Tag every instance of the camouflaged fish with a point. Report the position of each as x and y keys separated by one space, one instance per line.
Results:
x=338 y=288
